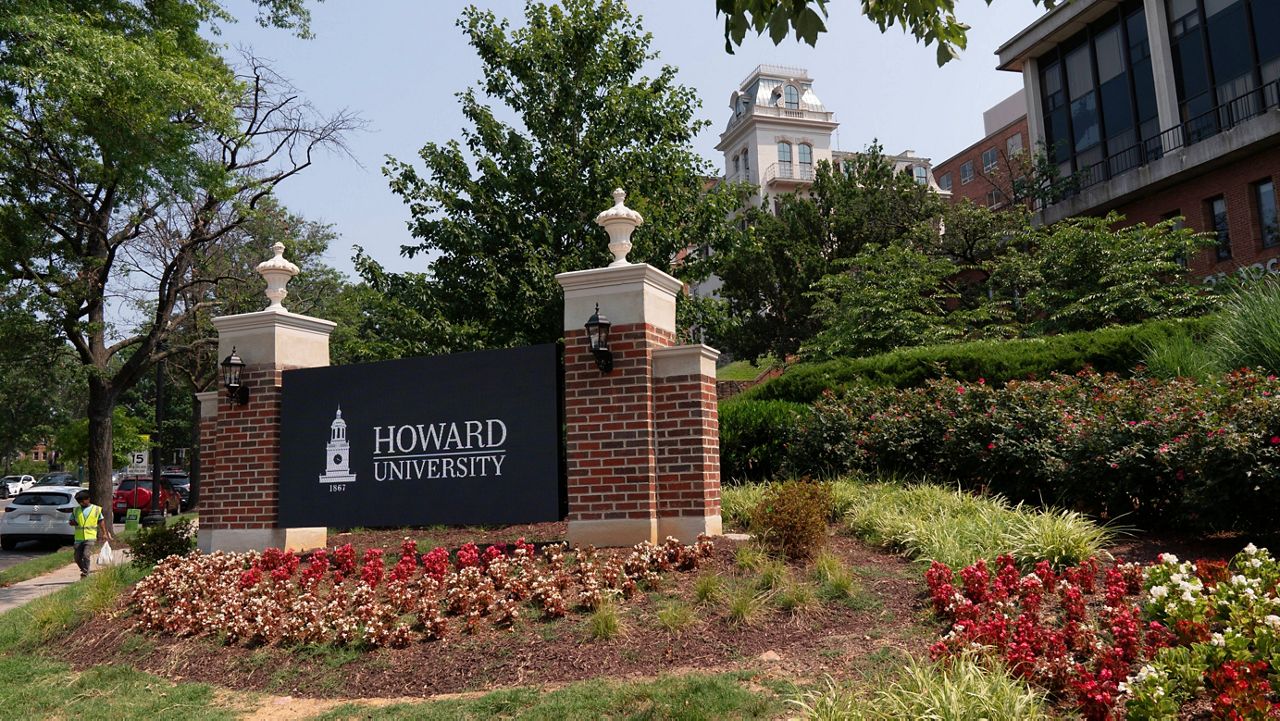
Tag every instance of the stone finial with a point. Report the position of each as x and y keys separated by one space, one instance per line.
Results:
x=277 y=272
x=619 y=222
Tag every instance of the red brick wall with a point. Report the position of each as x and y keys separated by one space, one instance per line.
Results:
x=239 y=487
x=977 y=189
x=611 y=464
x=1188 y=198
x=688 y=446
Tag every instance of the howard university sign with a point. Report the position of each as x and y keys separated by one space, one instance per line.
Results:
x=458 y=439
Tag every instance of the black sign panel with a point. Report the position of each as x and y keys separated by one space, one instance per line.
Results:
x=457 y=439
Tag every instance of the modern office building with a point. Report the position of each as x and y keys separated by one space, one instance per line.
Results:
x=779 y=131
x=1162 y=108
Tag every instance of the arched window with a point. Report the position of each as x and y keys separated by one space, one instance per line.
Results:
x=746 y=163
x=791 y=97
x=806 y=154
x=737 y=162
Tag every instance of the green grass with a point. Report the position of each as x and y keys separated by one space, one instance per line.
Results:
x=744 y=605
x=737 y=503
x=33 y=686
x=743 y=370
x=676 y=616
x=39 y=566
x=708 y=589
x=605 y=622
x=960 y=691
x=935 y=523
x=690 y=697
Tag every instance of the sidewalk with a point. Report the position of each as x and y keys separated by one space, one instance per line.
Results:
x=25 y=591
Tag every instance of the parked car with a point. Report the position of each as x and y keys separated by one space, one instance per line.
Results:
x=16 y=484
x=182 y=486
x=136 y=493
x=43 y=514
x=58 y=478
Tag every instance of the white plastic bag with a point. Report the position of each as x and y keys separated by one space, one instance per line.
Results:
x=105 y=556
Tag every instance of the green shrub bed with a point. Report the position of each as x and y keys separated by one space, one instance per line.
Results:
x=1117 y=349
x=753 y=436
x=1159 y=452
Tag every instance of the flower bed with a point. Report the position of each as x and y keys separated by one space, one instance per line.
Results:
x=1159 y=452
x=276 y=598
x=1145 y=642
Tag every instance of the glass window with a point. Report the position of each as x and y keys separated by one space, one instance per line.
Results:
x=1268 y=221
x=1218 y=215
x=784 y=152
x=990 y=158
x=806 y=154
x=42 y=499
x=1229 y=48
x=136 y=484
x=746 y=162
x=921 y=174
x=966 y=172
x=1014 y=145
x=944 y=181
x=737 y=165
x=791 y=97
x=1084 y=122
x=1266 y=14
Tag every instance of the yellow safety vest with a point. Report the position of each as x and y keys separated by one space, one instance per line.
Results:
x=87 y=523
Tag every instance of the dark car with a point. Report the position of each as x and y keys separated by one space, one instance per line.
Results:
x=135 y=492
x=182 y=486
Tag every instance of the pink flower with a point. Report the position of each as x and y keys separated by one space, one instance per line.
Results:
x=959 y=389
x=991 y=445
x=1275 y=440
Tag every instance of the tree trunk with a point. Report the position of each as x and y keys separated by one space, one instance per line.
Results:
x=101 y=404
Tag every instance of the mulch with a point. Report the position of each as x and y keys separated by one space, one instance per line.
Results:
x=828 y=640
x=831 y=639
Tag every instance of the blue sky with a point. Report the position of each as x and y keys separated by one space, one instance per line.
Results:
x=398 y=63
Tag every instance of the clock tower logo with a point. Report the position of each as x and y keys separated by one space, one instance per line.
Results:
x=338 y=461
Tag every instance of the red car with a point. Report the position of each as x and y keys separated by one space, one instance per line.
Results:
x=136 y=493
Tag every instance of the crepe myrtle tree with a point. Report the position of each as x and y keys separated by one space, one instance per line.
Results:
x=933 y=22
x=129 y=150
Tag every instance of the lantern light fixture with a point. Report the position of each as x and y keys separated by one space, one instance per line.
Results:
x=232 y=365
x=598 y=340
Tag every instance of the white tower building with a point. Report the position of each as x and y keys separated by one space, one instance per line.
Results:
x=338 y=453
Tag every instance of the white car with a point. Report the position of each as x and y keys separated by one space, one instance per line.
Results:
x=17 y=484
x=43 y=514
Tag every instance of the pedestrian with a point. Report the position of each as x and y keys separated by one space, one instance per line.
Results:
x=89 y=522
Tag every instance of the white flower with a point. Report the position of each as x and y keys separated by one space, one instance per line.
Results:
x=1255 y=562
x=1273 y=621
x=1250 y=549
x=1168 y=558
x=1218 y=640
x=1158 y=592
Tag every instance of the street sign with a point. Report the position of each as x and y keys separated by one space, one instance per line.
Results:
x=139 y=463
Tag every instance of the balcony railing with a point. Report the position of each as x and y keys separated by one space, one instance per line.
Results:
x=1202 y=127
x=789 y=171
x=805 y=111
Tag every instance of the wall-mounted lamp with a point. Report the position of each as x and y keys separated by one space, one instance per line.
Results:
x=231 y=367
x=598 y=340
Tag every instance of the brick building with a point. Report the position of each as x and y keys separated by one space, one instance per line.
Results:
x=1161 y=108
x=981 y=172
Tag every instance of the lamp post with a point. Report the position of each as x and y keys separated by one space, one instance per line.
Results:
x=155 y=515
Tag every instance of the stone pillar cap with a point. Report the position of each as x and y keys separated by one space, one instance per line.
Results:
x=277 y=272
x=619 y=222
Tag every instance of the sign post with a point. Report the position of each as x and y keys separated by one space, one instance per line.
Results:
x=139 y=463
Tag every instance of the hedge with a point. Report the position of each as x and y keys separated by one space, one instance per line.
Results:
x=1117 y=349
x=753 y=436
x=1150 y=452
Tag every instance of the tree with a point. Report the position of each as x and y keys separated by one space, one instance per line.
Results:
x=931 y=21
x=509 y=207
x=1085 y=273
x=770 y=268
x=129 y=149
x=886 y=298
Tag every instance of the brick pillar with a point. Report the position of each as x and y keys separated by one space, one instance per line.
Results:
x=241 y=468
x=643 y=444
x=688 y=438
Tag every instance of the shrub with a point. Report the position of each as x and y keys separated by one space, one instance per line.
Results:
x=792 y=518
x=753 y=438
x=1180 y=355
x=1249 y=327
x=1156 y=452
x=152 y=545
x=1117 y=349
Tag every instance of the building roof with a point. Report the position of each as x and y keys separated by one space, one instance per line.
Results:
x=1052 y=28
